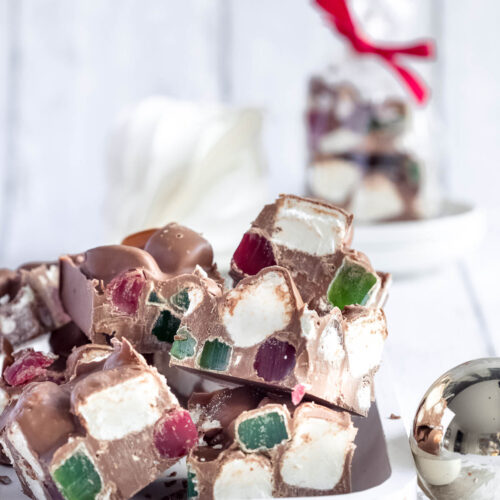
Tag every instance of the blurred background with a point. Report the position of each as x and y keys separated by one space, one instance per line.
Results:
x=86 y=85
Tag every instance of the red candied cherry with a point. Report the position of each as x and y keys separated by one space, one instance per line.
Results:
x=274 y=360
x=125 y=291
x=28 y=365
x=175 y=434
x=253 y=254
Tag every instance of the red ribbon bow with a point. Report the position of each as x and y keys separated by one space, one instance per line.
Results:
x=340 y=17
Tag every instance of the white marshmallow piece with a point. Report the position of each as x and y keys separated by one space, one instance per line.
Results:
x=377 y=198
x=309 y=227
x=334 y=180
x=339 y=141
x=29 y=467
x=364 y=339
x=122 y=409
x=244 y=478
x=317 y=454
x=259 y=309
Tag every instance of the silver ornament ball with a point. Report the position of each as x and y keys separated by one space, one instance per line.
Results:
x=456 y=433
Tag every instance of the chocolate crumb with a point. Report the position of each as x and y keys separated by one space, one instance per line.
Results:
x=168 y=484
x=5 y=480
x=184 y=483
x=394 y=417
x=172 y=474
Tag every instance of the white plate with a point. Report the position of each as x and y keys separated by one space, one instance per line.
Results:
x=410 y=247
x=386 y=465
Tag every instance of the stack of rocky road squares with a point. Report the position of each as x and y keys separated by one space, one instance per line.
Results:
x=137 y=329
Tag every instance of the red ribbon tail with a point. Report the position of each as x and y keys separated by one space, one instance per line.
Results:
x=412 y=81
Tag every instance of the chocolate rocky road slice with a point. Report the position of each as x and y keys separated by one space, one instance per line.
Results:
x=261 y=332
x=109 y=430
x=311 y=239
x=260 y=446
x=29 y=302
x=121 y=290
x=373 y=185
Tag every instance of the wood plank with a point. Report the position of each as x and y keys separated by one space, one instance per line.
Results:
x=81 y=63
x=5 y=39
x=471 y=99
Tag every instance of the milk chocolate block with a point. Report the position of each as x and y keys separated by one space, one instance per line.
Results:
x=121 y=291
x=255 y=446
x=357 y=159
x=176 y=249
x=261 y=332
x=29 y=302
x=311 y=239
x=109 y=430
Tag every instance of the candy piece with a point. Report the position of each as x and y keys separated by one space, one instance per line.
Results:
x=351 y=285
x=262 y=432
x=178 y=250
x=275 y=360
x=298 y=394
x=29 y=302
x=175 y=434
x=28 y=364
x=183 y=346
x=311 y=239
x=261 y=332
x=125 y=291
x=256 y=449
x=154 y=298
x=108 y=431
x=215 y=355
x=166 y=326
x=253 y=254
x=192 y=492
x=77 y=478
x=120 y=291
x=181 y=300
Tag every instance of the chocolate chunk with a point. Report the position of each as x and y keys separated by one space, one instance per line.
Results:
x=311 y=239
x=267 y=450
x=120 y=291
x=29 y=302
x=261 y=332
x=109 y=430
x=356 y=157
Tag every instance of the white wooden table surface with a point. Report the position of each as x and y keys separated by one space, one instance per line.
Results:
x=439 y=320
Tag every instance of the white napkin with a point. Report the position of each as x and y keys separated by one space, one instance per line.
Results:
x=197 y=164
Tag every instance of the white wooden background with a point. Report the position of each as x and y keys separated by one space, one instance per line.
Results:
x=67 y=68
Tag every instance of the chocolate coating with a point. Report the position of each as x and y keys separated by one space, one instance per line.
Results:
x=139 y=239
x=106 y=262
x=178 y=249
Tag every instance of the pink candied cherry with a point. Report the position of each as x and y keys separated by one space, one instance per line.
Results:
x=298 y=393
x=28 y=365
x=125 y=291
x=175 y=434
x=253 y=254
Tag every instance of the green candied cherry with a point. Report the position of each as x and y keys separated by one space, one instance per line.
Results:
x=351 y=285
x=156 y=299
x=192 y=492
x=166 y=326
x=215 y=355
x=262 y=432
x=180 y=300
x=77 y=478
x=184 y=344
